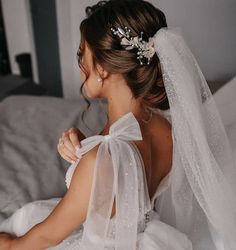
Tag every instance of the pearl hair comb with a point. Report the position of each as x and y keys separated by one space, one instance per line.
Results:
x=145 y=49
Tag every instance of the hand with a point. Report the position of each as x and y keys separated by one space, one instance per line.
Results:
x=68 y=144
x=6 y=240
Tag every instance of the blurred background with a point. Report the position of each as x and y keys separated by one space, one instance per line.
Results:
x=39 y=41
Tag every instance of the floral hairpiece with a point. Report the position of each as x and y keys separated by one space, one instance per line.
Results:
x=145 y=49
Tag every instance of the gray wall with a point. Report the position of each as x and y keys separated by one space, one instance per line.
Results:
x=209 y=27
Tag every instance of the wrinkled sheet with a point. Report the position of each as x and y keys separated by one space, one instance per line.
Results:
x=30 y=166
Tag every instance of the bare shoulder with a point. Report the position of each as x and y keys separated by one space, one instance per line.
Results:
x=85 y=166
x=82 y=179
x=83 y=174
x=162 y=145
x=90 y=156
x=161 y=129
x=74 y=205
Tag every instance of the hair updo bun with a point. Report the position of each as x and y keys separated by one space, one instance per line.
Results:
x=145 y=81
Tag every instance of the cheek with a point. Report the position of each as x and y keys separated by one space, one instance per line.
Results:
x=82 y=75
x=92 y=86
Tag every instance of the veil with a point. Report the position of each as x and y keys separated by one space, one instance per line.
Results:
x=200 y=200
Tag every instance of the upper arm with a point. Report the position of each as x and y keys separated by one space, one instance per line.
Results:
x=71 y=211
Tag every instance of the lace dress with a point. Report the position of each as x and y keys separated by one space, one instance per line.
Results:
x=152 y=233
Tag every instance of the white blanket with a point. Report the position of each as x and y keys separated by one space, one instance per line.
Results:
x=30 y=166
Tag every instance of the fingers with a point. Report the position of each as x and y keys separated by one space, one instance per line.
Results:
x=65 y=151
x=74 y=137
x=67 y=142
x=67 y=145
x=66 y=154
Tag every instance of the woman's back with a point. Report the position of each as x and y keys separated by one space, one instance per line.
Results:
x=156 y=150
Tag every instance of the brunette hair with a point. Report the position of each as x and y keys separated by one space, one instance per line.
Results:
x=145 y=81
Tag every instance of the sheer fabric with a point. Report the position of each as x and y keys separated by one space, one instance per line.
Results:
x=120 y=173
x=195 y=206
x=201 y=199
x=148 y=232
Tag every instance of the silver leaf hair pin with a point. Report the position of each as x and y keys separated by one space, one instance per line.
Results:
x=145 y=49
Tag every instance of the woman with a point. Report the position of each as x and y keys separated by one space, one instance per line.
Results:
x=144 y=154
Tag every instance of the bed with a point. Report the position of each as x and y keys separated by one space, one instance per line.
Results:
x=30 y=126
x=30 y=166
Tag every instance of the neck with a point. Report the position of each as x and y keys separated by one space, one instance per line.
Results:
x=119 y=106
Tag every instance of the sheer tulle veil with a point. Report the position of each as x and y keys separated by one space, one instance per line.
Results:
x=200 y=200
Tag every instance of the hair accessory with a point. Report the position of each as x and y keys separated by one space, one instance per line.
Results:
x=145 y=49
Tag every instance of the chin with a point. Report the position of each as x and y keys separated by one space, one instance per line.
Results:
x=91 y=95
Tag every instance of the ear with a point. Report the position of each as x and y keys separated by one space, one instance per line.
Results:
x=102 y=72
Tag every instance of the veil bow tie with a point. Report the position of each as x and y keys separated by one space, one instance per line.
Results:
x=125 y=128
x=116 y=178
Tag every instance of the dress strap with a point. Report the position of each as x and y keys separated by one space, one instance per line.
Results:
x=116 y=175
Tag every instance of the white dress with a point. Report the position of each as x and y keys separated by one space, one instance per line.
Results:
x=153 y=234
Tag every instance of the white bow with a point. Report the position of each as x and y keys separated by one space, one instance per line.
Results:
x=115 y=176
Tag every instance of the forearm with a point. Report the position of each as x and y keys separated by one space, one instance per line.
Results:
x=34 y=239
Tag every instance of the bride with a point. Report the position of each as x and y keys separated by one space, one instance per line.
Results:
x=160 y=176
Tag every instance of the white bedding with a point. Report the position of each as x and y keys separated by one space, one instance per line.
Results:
x=30 y=167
